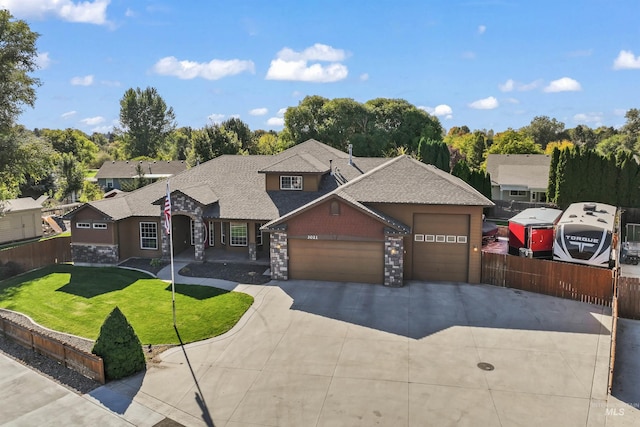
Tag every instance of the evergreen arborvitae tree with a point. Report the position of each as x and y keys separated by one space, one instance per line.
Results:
x=434 y=153
x=559 y=198
x=119 y=347
x=551 y=186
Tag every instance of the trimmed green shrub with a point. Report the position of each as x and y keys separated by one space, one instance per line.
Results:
x=119 y=347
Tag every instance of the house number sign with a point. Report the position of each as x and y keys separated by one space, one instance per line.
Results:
x=312 y=237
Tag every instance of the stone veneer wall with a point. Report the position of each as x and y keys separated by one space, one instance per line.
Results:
x=253 y=252
x=187 y=206
x=279 y=255
x=393 y=260
x=94 y=254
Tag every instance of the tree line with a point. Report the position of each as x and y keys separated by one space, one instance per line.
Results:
x=56 y=160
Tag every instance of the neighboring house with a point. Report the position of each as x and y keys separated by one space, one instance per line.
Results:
x=328 y=216
x=21 y=219
x=113 y=174
x=519 y=177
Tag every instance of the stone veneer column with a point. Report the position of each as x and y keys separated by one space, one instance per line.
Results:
x=253 y=253
x=181 y=205
x=279 y=255
x=393 y=260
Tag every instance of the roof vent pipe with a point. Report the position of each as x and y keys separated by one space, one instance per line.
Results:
x=350 y=154
x=331 y=167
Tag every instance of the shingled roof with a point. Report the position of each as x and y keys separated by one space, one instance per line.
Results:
x=519 y=170
x=233 y=187
x=152 y=168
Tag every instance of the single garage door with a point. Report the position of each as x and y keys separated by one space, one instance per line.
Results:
x=441 y=247
x=336 y=260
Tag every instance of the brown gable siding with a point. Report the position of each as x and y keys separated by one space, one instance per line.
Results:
x=405 y=213
x=350 y=223
x=310 y=182
x=129 y=238
x=91 y=235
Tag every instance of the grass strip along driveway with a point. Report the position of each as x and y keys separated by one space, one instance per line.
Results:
x=76 y=300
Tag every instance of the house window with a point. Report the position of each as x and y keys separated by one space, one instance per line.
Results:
x=335 y=208
x=100 y=225
x=83 y=225
x=258 y=234
x=514 y=193
x=212 y=233
x=148 y=235
x=290 y=182
x=223 y=233
x=109 y=183
x=238 y=231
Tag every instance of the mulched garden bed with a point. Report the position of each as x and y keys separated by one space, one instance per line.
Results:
x=251 y=274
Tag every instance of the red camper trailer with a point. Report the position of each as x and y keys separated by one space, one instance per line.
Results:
x=531 y=232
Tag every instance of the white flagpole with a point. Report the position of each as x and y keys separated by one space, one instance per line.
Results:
x=169 y=231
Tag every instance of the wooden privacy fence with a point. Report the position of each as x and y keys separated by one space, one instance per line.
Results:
x=39 y=254
x=87 y=364
x=571 y=281
x=629 y=297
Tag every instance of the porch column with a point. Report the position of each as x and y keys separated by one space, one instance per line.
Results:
x=279 y=255
x=198 y=238
x=393 y=260
x=164 y=238
x=253 y=254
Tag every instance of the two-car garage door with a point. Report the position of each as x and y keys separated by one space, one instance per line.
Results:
x=336 y=260
x=440 y=247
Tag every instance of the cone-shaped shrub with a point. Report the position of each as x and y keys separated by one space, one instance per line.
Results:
x=119 y=347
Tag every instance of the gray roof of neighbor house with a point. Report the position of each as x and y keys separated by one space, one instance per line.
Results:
x=151 y=168
x=401 y=180
x=21 y=204
x=529 y=171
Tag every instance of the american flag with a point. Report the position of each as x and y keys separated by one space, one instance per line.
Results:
x=167 y=211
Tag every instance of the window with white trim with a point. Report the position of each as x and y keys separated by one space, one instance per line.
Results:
x=83 y=225
x=212 y=233
x=517 y=193
x=223 y=233
x=100 y=225
x=148 y=235
x=109 y=183
x=238 y=232
x=291 y=182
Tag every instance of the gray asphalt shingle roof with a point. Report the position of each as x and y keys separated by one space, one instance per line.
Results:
x=21 y=204
x=232 y=187
x=127 y=168
x=520 y=170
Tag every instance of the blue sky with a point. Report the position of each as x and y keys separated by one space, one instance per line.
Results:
x=487 y=64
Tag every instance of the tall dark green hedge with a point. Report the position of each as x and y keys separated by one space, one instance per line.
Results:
x=477 y=178
x=435 y=153
x=119 y=347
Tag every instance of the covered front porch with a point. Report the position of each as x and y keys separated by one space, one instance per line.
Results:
x=220 y=255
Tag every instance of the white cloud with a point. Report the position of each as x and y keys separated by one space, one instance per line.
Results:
x=482 y=29
x=511 y=85
x=216 y=118
x=90 y=12
x=258 y=111
x=294 y=66
x=82 y=80
x=276 y=121
x=364 y=77
x=103 y=129
x=212 y=70
x=43 y=61
x=68 y=114
x=485 y=104
x=442 y=110
x=626 y=60
x=92 y=121
x=564 y=84
x=593 y=118
x=281 y=112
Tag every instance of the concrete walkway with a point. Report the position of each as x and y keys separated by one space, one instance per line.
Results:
x=348 y=354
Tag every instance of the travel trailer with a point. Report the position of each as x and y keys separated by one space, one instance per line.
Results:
x=584 y=234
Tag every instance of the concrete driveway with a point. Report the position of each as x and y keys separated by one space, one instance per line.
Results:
x=347 y=354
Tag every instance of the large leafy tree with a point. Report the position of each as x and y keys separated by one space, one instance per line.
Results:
x=71 y=175
x=72 y=141
x=514 y=142
x=24 y=158
x=213 y=141
x=543 y=130
x=17 y=59
x=146 y=122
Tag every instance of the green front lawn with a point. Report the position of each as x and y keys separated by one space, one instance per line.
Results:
x=76 y=300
